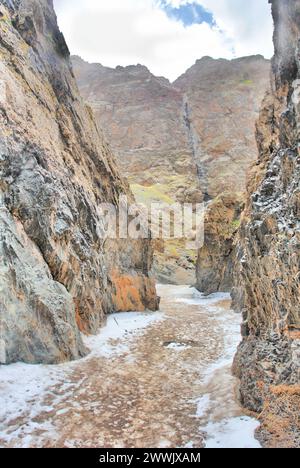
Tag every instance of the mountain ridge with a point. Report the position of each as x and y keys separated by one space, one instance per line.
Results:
x=179 y=142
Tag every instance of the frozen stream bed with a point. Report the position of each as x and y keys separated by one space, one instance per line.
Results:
x=151 y=380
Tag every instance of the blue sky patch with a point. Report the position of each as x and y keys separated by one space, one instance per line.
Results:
x=188 y=14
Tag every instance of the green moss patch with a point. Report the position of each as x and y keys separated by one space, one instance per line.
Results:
x=154 y=193
x=247 y=82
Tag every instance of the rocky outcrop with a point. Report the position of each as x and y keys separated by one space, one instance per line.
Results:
x=58 y=276
x=222 y=102
x=268 y=273
x=280 y=417
x=216 y=257
x=189 y=141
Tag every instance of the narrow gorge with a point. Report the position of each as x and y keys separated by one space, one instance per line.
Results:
x=190 y=141
x=118 y=341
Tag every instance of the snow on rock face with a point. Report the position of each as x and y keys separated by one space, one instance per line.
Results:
x=269 y=239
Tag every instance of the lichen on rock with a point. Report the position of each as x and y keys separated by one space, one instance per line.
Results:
x=267 y=275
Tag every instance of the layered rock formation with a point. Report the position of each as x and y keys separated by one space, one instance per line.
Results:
x=58 y=276
x=268 y=273
x=188 y=141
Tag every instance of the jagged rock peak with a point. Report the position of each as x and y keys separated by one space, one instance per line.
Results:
x=224 y=67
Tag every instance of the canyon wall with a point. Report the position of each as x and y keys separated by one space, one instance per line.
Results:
x=58 y=276
x=223 y=100
x=143 y=119
x=190 y=141
x=215 y=263
x=268 y=271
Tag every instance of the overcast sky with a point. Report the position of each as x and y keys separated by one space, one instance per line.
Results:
x=167 y=36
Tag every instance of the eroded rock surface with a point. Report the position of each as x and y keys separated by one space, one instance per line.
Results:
x=268 y=279
x=216 y=258
x=57 y=276
x=186 y=142
x=143 y=119
x=222 y=102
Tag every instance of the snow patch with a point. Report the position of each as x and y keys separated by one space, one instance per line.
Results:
x=232 y=433
x=189 y=445
x=192 y=296
x=26 y=391
x=235 y=431
x=115 y=338
x=203 y=405
x=178 y=346
x=232 y=337
x=23 y=392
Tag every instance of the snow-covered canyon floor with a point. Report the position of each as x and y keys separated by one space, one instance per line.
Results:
x=151 y=380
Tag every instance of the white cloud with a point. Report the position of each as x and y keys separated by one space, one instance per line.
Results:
x=248 y=23
x=123 y=32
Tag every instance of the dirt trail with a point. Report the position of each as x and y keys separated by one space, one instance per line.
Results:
x=157 y=380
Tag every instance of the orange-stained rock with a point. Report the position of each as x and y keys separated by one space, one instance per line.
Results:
x=55 y=171
x=133 y=293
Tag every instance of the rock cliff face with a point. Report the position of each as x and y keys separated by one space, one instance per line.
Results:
x=268 y=273
x=215 y=263
x=57 y=275
x=188 y=141
x=222 y=100
x=143 y=119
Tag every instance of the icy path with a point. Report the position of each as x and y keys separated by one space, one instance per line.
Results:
x=151 y=380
